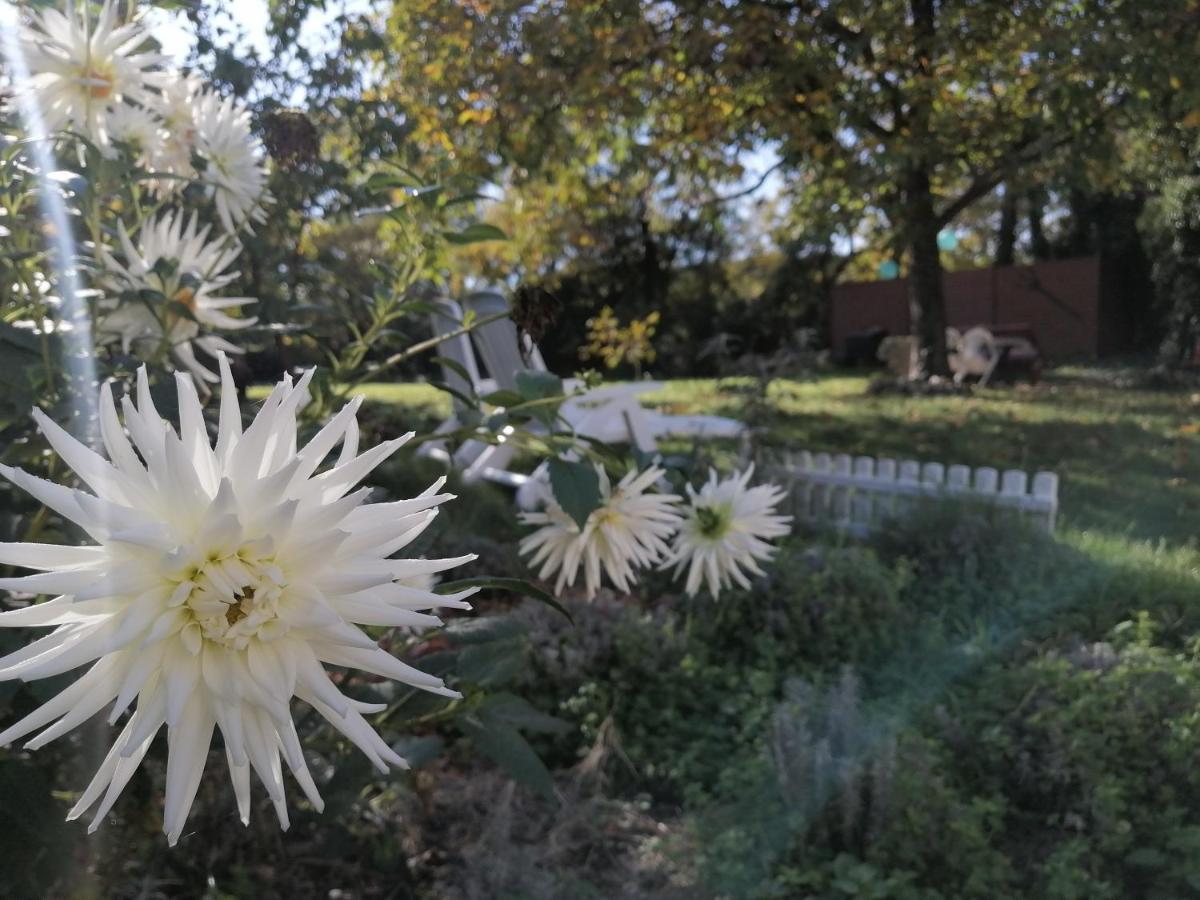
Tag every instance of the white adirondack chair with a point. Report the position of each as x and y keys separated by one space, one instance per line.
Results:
x=497 y=344
x=611 y=413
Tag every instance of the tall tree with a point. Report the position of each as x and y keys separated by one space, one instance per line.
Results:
x=917 y=107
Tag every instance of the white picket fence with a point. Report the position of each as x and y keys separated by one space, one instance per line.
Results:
x=856 y=494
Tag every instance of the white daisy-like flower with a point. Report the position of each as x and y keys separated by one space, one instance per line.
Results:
x=234 y=171
x=629 y=530
x=81 y=70
x=172 y=257
x=220 y=581
x=176 y=106
x=140 y=131
x=725 y=530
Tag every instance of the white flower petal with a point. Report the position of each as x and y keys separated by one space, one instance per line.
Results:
x=222 y=578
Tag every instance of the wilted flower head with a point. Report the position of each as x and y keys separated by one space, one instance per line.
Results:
x=233 y=172
x=629 y=530
x=725 y=529
x=81 y=70
x=291 y=138
x=178 y=262
x=218 y=582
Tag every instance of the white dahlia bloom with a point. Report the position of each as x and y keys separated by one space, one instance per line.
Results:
x=176 y=105
x=725 y=529
x=629 y=530
x=234 y=172
x=140 y=131
x=177 y=260
x=81 y=70
x=220 y=581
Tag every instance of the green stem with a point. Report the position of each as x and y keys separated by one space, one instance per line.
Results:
x=416 y=349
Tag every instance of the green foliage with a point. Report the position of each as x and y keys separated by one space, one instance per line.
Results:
x=576 y=487
x=1175 y=229
x=614 y=344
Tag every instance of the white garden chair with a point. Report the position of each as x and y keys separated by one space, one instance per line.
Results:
x=497 y=345
x=612 y=413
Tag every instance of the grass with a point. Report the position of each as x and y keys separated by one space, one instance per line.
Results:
x=1128 y=459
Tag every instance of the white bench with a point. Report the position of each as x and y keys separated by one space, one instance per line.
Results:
x=856 y=494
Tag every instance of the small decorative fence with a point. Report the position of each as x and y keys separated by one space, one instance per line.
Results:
x=856 y=494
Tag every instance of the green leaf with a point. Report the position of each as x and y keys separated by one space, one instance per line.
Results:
x=456 y=367
x=485 y=629
x=576 y=487
x=534 y=385
x=505 y=398
x=514 y=585
x=475 y=233
x=419 y=751
x=505 y=746
x=492 y=664
x=24 y=340
x=520 y=713
x=383 y=181
x=453 y=392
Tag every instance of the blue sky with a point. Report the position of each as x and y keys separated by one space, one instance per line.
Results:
x=172 y=32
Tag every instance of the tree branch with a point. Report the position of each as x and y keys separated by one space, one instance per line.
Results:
x=747 y=191
x=1025 y=150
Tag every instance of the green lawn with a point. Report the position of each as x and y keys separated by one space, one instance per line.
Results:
x=1129 y=459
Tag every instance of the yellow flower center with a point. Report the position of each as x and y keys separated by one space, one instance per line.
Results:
x=98 y=82
x=232 y=598
x=186 y=296
x=713 y=521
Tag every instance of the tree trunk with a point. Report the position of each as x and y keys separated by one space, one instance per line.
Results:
x=1079 y=242
x=1038 y=244
x=1006 y=238
x=926 y=300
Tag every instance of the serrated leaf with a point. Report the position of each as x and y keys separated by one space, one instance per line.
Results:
x=576 y=487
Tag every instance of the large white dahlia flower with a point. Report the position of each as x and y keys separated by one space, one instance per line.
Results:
x=81 y=70
x=218 y=582
x=173 y=257
x=726 y=528
x=629 y=530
